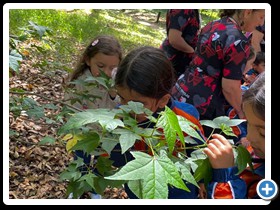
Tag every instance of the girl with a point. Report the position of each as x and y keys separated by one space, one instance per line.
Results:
x=147 y=76
x=226 y=183
x=104 y=53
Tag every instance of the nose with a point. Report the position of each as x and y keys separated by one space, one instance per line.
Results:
x=108 y=72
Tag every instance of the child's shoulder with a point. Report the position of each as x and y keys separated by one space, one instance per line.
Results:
x=187 y=108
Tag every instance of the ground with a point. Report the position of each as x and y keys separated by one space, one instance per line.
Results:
x=34 y=169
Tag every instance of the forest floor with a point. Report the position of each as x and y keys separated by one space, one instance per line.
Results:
x=34 y=169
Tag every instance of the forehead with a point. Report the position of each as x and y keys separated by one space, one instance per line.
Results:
x=106 y=59
x=251 y=116
x=128 y=94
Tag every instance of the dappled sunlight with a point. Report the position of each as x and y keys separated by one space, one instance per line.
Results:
x=144 y=23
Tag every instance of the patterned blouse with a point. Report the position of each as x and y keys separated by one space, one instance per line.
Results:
x=188 y=22
x=221 y=52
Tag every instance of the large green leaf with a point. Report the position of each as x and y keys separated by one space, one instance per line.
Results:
x=243 y=158
x=40 y=30
x=103 y=164
x=89 y=179
x=186 y=173
x=159 y=172
x=109 y=142
x=14 y=59
x=171 y=128
x=36 y=112
x=136 y=107
x=127 y=138
x=88 y=142
x=203 y=170
x=189 y=128
x=103 y=116
x=218 y=121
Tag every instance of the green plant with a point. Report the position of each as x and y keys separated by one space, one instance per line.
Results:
x=98 y=131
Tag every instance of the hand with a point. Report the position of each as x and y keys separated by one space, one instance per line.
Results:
x=220 y=152
x=202 y=194
x=244 y=141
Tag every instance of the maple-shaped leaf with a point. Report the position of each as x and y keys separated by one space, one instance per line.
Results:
x=127 y=138
x=155 y=173
x=218 y=121
x=89 y=179
x=88 y=142
x=109 y=142
x=136 y=107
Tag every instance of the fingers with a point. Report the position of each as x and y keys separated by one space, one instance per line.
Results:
x=220 y=152
x=220 y=138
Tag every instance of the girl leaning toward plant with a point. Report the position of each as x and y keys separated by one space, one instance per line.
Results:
x=226 y=183
x=146 y=75
x=100 y=58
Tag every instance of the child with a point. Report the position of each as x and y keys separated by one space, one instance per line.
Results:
x=226 y=183
x=258 y=67
x=146 y=75
x=104 y=53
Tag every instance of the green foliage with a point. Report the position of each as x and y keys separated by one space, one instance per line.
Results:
x=81 y=26
x=208 y=15
x=224 y=123
x=14 y=59
x=158 y=163
x=98 y=131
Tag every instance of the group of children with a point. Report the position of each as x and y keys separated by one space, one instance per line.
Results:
x=146 y=75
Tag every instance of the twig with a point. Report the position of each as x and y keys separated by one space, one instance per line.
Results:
x=36 y=144
x=46 y=98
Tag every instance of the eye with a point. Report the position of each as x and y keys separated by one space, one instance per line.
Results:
x=262 y=132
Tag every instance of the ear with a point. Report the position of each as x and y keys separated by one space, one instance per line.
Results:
x=164 y=100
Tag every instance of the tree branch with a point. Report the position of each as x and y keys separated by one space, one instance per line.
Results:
x=46 y=98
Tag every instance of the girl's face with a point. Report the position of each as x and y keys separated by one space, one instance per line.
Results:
x=252 y=19
x=104 y=62
x=255 y=130
x=152 y=104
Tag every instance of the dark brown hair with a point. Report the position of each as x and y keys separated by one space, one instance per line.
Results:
x=105 y=44
x=147 y=71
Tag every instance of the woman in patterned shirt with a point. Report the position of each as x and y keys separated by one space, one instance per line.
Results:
x=215 y=72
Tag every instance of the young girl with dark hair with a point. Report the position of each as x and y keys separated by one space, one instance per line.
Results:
x=103 y=54
x=146 y=75
x=226 y=183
